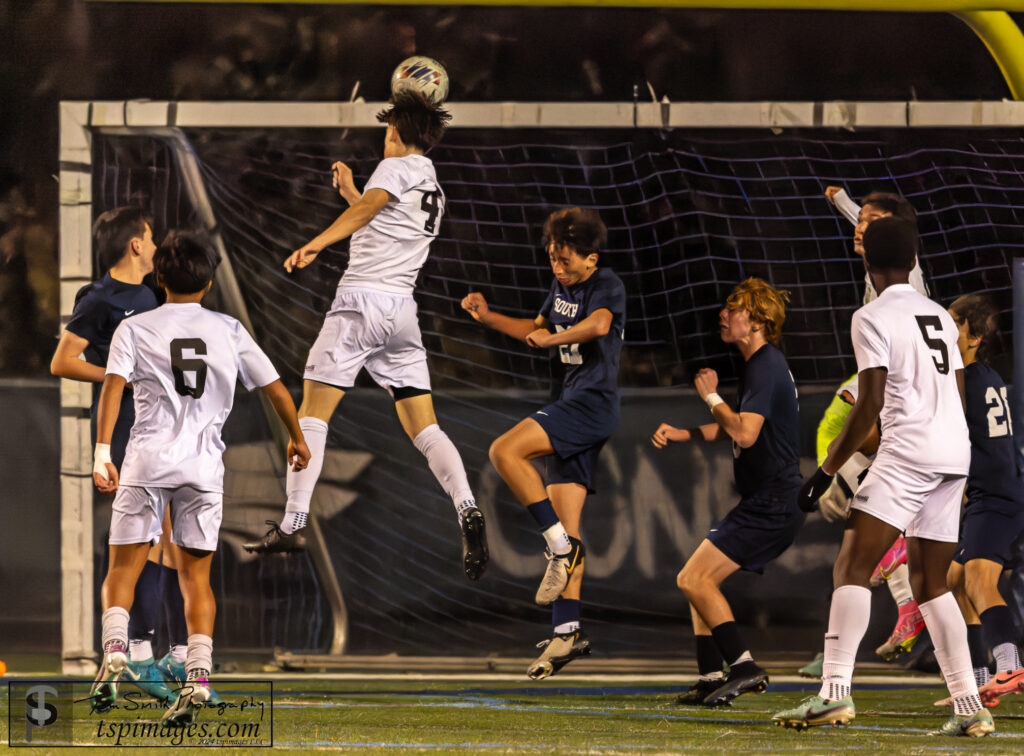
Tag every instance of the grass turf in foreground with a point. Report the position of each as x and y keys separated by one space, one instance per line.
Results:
x=564 y=716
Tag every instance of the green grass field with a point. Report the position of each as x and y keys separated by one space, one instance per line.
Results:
x=577 y=715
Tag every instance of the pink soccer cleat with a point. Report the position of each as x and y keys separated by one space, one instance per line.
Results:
x=908 y=629
x=894 y=557
x=1003 y=684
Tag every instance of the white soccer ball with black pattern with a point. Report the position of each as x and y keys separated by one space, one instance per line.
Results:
x=421 y=74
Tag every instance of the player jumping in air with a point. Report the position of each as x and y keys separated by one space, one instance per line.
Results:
x=765 y=436
x=911 y=377
x=994 y=514
x=183 y=362
x=586 y=307
x=372 y=322
x=123 y=244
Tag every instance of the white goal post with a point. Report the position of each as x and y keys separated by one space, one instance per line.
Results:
x=80 y=120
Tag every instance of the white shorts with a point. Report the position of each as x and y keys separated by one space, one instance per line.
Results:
x=921 y=503
x=374 y=329
x=138 y=516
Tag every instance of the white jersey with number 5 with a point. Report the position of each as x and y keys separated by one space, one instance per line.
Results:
x=183 y=361
x=388 y=252
x=923 y=419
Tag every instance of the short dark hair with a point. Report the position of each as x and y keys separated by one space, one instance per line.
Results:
x=185 y=262
x=114 y=230
x=580 y=229
x=419 y=122
x=892 y=203
x=890 y=243
x=981 y=315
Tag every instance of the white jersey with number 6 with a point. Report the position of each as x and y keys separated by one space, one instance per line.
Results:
x=388 y=252
x=923 y=419
x=183 y=361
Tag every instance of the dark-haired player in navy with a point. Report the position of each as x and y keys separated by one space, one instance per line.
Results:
x=994 y=515
x=585 y=310
x=124 y=248
x=765 y=436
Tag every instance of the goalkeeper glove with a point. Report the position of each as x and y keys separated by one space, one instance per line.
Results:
x=812 y=490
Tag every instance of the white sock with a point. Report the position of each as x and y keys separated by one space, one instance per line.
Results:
x=899 y=585
x=140 y=650
x=558 y=539
x=446 y=464
x=114 y=627
x=744 y=657
x=299 y=485
x=847 y=623
x=293 y=521
x=948 y=632
x=717 y=676
x=981 y=675
x=178 y=653
x=568 y=627
x=200 y=652
x=1007 y=657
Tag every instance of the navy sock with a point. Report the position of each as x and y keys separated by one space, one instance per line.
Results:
x=709 y=658
x=174 y=609
x=976 y=644
x=727 y=638
x=997 y=626
x=564 y=610
x=543 y=513
x=146 y=604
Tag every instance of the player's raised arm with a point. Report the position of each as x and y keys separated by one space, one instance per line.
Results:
x=284 y=408
x=838 y=197
x=358 y=215
x=104 y=474
x=518 y=328
x=741 y=427
x=341 y=179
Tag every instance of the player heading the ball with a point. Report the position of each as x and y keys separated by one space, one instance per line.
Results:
x=373 y=323
x=183 y=361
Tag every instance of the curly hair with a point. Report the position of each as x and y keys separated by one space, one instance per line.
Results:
x=579 y=229
x=981 y=315
x=765 y=303
x=419 y=122
x=185 y=262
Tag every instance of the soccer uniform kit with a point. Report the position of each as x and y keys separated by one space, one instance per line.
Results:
x=767 y=518
x=586 y=412
x=917 y=479
x=99 y=309
x=994 y=515
x=372 y=322
x=183 y=361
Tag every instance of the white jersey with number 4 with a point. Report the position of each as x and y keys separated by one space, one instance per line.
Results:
x=388 y=252
x=183 y=361
x=923 y=419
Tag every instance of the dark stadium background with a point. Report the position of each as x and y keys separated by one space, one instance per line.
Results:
x=66 y=49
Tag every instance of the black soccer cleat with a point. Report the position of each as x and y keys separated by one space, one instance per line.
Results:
x=474 y=544
x=743 y=678
x=276 y=541
x=699 y=691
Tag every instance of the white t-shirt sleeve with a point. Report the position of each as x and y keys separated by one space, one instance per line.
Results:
x=846 y=206
x=121 y=358
x=870 y=343
x=393 y=176
x=255 y=369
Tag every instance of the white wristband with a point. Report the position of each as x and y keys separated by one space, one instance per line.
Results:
x=100 y=458
x=713 y=400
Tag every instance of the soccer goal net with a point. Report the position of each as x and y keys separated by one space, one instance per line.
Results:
x=696 y=198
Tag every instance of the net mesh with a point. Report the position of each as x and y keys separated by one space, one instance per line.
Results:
x=690 y=213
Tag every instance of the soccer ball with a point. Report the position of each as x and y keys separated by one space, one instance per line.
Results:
x=423 y=75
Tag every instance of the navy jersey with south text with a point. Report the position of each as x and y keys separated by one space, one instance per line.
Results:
x=767 y=389
x=994 y=475
x=99 y=309
x=594 y=365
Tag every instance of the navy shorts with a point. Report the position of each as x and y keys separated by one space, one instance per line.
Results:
x=759 y=528
x=577 y=428
x=988 y=531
